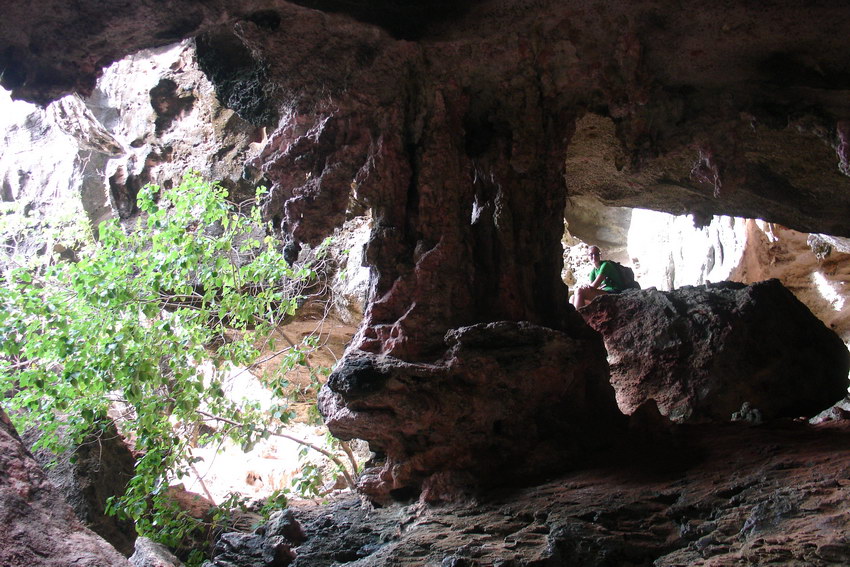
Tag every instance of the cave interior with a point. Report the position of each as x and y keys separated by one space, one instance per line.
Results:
x=467 y=129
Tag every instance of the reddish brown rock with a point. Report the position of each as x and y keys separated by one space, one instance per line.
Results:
x=719 y=108
x=701 y=352
x=456 y=137
x=506 y=402
x=38 y=527
x=730 y=495
x=463 y=163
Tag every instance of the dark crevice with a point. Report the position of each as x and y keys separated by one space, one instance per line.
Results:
x=241 y=81
x=168 y=104
x=404 y=19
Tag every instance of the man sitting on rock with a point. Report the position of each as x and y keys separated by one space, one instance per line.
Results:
x=605 y=278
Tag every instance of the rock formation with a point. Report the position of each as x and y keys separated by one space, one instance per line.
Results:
x=506 y=401
x=704 y=495
x=462 y=131
x=39 y=527
x=701 y=352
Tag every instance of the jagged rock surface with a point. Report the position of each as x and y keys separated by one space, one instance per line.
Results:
x=167 y=121
x=701 y=352
x=716 y=108
x=419 y=129
x=152 y=117
x=87 y=475
x=39 y=527
x=462 y=163
x=696 y=496
x=506 y=401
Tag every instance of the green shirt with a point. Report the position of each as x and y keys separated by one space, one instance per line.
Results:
x=612 y=281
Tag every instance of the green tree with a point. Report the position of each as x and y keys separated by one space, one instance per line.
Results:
x=128 y=325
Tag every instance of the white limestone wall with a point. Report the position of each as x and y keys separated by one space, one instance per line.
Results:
x=667 y=251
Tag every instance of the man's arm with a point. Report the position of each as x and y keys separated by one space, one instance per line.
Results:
x=597 y=283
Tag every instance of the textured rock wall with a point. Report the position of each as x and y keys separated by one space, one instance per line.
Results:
x=163 y=111
x=39 y=528
x=87 y=476
x=151 y=117
x=730 y=495
x=507 y=402
x=452 y=176
x=391 y=104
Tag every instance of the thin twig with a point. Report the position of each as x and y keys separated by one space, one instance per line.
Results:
x=200 y=479
x=349 y=454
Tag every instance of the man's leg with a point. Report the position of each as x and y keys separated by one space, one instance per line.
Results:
x=585 y=295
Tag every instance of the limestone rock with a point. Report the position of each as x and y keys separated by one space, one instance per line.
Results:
x=39 y=527
x=350 y=285
x=164 y=111
x=148 y=553
x=152 y=117
x=506 y=402
x=702 y=352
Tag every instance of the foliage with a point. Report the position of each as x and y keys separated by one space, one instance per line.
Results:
x=308 y=483
x=130 y=324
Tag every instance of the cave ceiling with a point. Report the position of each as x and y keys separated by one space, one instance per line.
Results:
x=705 y=108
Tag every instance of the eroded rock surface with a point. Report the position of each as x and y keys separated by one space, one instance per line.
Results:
x=700 y=496
x=39 y=527
x=506 y=401
x=458 y=140
x=701 y=352
x=87 y=476
x=735 y=109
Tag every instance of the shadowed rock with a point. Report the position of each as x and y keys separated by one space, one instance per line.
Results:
x=728 y=495
x=701 y=352
x=38 y=527
x=507 y=401
x=88 y=475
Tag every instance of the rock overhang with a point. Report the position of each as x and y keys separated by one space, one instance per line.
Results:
x=718 y=109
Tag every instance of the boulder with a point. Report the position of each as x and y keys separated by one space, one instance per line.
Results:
x=701 y=352
x=148 y=553
x=39 y=528
x=252 y=550
x=507 y=402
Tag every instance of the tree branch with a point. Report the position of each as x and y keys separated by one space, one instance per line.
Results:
x=348 y=479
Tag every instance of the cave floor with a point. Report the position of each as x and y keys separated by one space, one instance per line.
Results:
x=729 y=494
